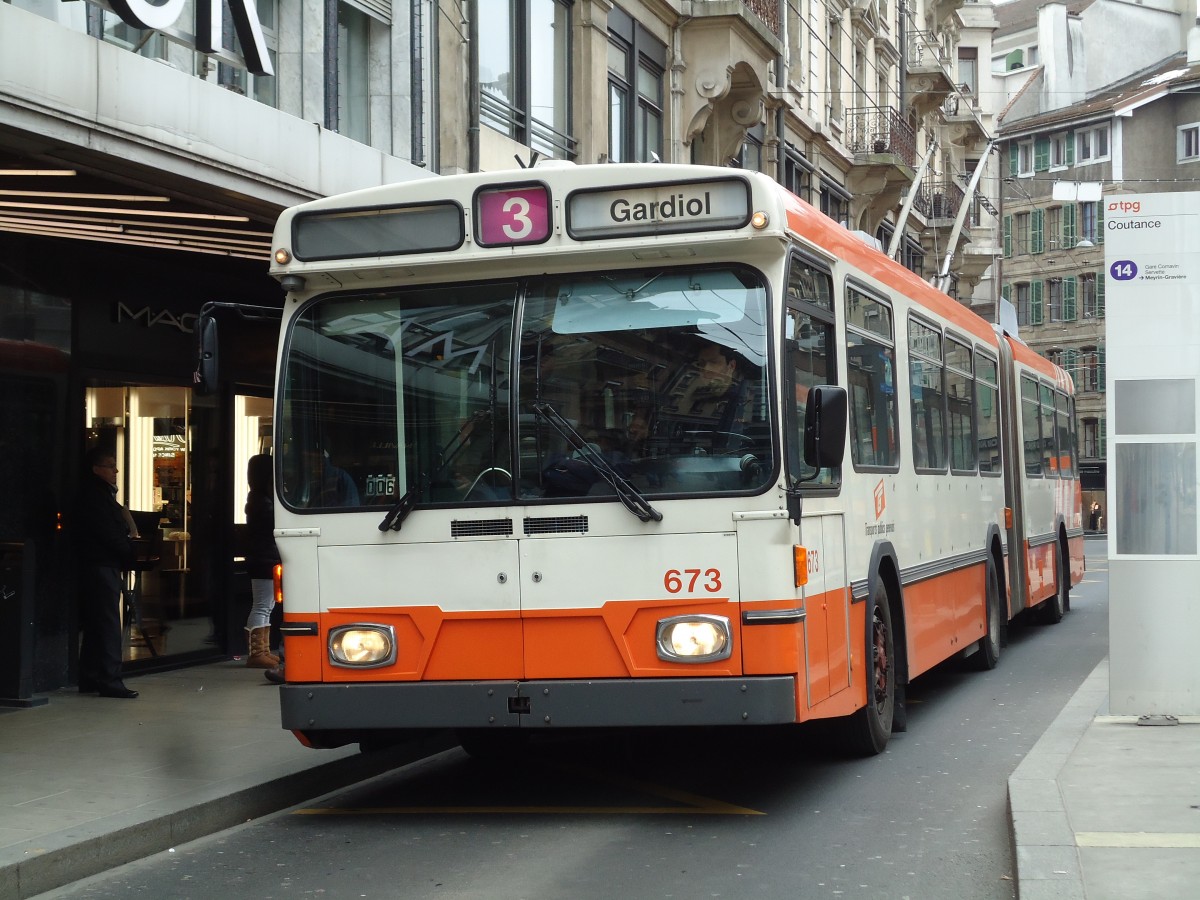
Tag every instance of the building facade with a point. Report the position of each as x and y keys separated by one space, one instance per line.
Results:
x=146 y=150
x=1077 y=133
x=143 y=160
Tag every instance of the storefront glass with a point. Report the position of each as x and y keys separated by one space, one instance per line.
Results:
x=152 y=432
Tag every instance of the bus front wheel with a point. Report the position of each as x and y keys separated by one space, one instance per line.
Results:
x=866 y=732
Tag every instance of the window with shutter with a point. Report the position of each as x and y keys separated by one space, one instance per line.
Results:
x=1069 y=231
x=1041 y=154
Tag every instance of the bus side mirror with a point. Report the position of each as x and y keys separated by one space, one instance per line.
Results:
x=825 y=426
x=204 y=380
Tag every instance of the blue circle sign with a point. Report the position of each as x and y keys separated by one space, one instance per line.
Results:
x=1123 y=270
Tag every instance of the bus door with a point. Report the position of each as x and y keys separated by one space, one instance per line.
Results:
x=826 y=607
x=809 y=342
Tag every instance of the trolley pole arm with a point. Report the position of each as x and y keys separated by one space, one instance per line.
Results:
x=898 y=235
x=943 y=276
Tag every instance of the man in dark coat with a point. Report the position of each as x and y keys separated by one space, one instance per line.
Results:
x=105 y=550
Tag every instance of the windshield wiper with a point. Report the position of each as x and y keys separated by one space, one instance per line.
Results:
x=405 y=505
x=631 y=498
x=398 y=513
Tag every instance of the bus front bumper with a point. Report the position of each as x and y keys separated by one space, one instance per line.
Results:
x=761 y=700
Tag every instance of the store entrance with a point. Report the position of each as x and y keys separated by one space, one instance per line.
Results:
x=167 y=608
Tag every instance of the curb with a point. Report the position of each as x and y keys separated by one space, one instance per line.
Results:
x=125 y=840
x=1048 y=866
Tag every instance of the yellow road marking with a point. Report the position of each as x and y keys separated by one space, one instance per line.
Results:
x=535 y=810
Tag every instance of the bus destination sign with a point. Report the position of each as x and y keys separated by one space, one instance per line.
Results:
x=658 y=209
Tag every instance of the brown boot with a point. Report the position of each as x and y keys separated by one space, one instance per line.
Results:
x=261 y=656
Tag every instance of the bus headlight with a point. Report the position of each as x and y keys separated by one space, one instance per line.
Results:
x=694 y=639
x=362 y=646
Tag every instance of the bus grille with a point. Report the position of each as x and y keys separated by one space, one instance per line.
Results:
x=557 y=525
x=480 y=527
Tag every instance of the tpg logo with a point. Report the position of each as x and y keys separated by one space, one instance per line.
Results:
x=1134 y=206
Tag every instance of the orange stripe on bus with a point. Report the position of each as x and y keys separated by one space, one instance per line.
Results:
x=1041 y=573
x=944 y=615
x=616 y=640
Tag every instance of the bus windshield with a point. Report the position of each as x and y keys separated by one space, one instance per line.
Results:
x=656 y=374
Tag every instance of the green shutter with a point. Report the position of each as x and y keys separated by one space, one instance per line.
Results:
x=1006 y=292
x=1041 y=154
x=1068 y=226
x=1103 y=448
x=1099 y=239
x=1037 y=231
x=1008 y=236
x=1100 y=366
x=1070 y=160
x=1068 y=298
x=1035 y=303
x=1013 y=153
x=1100 y=295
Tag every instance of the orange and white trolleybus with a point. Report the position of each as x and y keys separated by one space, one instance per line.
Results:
x=642 y=445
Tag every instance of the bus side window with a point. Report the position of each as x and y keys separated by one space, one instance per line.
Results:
x=960 y=401
x=1030 y=426
x=927 y=396
x=1049 y=433
x=870 y=364
x=988 y=408
x=809 y=333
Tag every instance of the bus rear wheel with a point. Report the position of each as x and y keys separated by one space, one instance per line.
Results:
x=985 y=658
x=866 y=732
x=1056 y=607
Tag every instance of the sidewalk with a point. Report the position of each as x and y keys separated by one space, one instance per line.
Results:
x=88 y=783
x=1106 y=809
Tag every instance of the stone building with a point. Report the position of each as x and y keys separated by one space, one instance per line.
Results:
x=1084 y=126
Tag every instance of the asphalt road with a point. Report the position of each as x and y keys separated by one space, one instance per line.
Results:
x=678 y=815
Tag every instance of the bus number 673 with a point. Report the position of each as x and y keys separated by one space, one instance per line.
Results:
x=685 y=580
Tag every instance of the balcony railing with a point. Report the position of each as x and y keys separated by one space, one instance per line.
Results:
x=959 y=103
x=942 y=198
x=874 y=129
x=768 y=11
x=925 y=51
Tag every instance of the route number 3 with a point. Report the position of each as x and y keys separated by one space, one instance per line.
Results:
x=689 y=580
x=513 y=216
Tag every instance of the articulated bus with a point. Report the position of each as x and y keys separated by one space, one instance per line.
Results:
x=575 y=447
